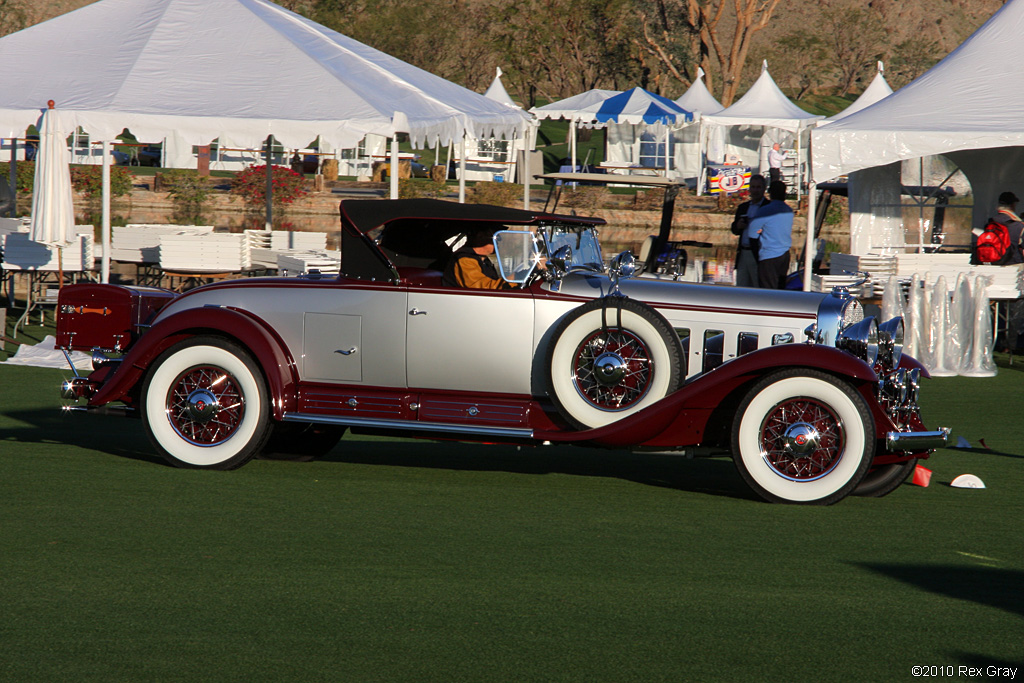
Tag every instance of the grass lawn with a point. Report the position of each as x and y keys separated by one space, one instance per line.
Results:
x=394 y=560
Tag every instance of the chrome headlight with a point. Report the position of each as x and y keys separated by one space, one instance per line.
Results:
x=913 y=385
x=895 y=386
x=836 y=312
x=861 y=339
x=890 y=342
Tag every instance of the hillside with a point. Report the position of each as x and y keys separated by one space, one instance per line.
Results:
x=909 y=35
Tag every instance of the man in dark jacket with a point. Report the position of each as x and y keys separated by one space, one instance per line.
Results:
x=1007 y=215
x=746 y=259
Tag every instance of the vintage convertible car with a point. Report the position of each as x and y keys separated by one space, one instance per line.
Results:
x=813 y=400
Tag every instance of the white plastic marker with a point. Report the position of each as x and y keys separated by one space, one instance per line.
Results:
x=967 y=481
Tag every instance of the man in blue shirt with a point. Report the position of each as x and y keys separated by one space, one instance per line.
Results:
x=774 y=225
x=746 y=262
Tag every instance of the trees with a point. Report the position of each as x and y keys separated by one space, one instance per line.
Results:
x=563 y=47
x=13 y=16
x=716 y=30
x=853 y=40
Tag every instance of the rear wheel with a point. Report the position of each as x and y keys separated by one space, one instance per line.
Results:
x=204 y=405
x=803 y=436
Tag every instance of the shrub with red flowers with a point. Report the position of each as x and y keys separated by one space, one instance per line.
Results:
x=26 y=175
x=89 y=181
x=286 y=185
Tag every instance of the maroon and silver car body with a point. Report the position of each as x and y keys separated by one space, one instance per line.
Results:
x=814 y=400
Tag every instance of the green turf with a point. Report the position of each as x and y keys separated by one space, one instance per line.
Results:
x=414 y=561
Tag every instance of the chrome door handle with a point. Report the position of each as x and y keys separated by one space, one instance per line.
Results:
x=417 y=311
x=346 y=353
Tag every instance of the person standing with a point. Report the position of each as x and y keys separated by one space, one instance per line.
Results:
x=1006 y=213
x=774 y=225
x=746 y=259
x=775 y=158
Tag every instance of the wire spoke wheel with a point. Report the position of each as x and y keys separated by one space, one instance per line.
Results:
x=205 y=405
x=613 y=369
x=610 y=358
x=803 y=436
x=802 y=439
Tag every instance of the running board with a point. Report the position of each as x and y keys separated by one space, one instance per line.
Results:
x=415 y=426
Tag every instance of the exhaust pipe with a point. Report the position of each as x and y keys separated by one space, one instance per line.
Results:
x=917 y=441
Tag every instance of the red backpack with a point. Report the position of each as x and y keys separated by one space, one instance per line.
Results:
x=993 y=244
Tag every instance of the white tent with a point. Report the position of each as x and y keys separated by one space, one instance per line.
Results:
x=878 y=89
x=239 y=70
x=579 y=110
x=689 y=153
x=698 y=98
x=748 y=128
x=969 y=108
x=496 y=91
x=236 y=70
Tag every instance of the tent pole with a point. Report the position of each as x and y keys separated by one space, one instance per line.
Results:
x=105 y=225
x=572 y=144
x=14 y=176
x=812 y=200
x=799 y=172
x=666 y=149
x=393 y=178
x=268 y=219
x=462 y=169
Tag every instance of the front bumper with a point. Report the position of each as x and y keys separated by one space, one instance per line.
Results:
x=913 y=442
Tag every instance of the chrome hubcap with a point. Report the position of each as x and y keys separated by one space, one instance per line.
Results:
x=609 y=369
x=203 y=406
x=801 y=439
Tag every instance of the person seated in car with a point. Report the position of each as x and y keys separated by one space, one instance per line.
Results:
x=470 y=265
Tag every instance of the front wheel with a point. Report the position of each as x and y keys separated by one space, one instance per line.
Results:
x=204 y=405
x=803 y=436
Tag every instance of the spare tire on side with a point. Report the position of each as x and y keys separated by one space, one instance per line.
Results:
x=612 y=357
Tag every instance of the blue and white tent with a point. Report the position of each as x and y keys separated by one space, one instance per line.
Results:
x=641 y=132
x=638 y=106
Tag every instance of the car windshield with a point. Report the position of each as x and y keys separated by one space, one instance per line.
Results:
x=582 y=241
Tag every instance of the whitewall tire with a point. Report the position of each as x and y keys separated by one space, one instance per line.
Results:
x=610 y=358
x=803 y=436
x=204 y=405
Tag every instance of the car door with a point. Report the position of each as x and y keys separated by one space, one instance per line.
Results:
x=470 y=340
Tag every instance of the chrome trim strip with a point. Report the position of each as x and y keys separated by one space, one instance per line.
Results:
x=917 y=441
x=410 y=425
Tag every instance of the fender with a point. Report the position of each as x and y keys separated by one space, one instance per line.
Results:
x=264 y=344
x=703 y=394
x=911 y=363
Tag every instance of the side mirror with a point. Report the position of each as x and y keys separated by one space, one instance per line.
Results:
x=560 y=262
x=622 y=266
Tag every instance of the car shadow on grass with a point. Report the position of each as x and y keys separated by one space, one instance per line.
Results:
x=119 y=436
x=126 y=438
x=713 y=476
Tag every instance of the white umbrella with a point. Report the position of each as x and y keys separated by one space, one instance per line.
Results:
x=53 y=211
